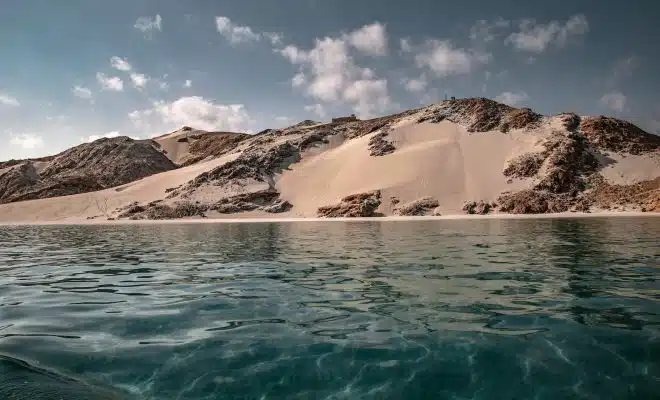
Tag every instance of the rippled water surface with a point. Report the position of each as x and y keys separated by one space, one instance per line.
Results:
x=510 y=309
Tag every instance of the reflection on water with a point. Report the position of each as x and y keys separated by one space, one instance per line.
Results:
x=476 y=309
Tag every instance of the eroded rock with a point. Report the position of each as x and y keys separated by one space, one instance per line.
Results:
x=423 y=206
x=355 y=205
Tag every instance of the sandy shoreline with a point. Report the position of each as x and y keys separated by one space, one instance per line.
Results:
x=371 y=219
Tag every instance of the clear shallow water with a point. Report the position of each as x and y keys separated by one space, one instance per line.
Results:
x=517 y=309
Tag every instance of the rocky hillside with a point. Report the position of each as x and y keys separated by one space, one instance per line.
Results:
x=107 y=162
x=473 y=156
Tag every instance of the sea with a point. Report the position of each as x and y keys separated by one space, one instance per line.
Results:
x=443 y=309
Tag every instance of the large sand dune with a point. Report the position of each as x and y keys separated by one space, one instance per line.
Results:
x=453 y=152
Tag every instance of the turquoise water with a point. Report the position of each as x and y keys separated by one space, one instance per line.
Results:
x=482 y=309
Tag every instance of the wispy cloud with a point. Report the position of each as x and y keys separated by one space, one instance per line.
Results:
x=139 y=80
x=317 y=109
x=443 y=59
x=26 y=141
x=82 y=92
x=615 y=101
x=187 y=83
x=512 y=98
x=120 y=64
x=237 y=34
x=8 y=100
x=149 y=25
x=111 y=83
x=536 y=38
x=201 y=113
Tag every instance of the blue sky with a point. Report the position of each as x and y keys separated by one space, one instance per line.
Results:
x=75 y=70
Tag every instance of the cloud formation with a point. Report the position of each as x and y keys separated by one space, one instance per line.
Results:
x=26 y=141
x=111 y=83
x=615 y=101
x=148 y=25
x=316 y=109
x=237 y=34
x=82 y=92
x=7 y=100
x=535 y=38
x=120 y=64
x=139 y=80
x=328 y=72
x=443 y=59
x=200 y=113
x=512 y=98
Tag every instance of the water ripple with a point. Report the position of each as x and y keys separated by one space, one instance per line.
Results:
x=452 y=309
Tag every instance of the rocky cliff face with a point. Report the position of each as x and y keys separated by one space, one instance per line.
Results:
x=105 y=163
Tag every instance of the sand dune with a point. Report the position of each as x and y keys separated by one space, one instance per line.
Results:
x=80 y=206
x=439 y=160
x=452 y=152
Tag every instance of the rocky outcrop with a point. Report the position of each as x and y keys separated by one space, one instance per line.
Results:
x=533 y=202
x=478 y=207
x=250 y=165
x=212 y=144
x=379 y=146
x=481 y=115
x=104 y=163
x=525 y=166
x=642 y=195
x=613 y=134
x=423 y=206
x=245 y=202
x=355 y=205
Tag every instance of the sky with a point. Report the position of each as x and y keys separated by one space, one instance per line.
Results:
x=73 y=71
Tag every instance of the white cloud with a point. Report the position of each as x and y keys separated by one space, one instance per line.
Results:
x=273 y=37
x=415 y=85
x=235 y=33
x=139 y=80
x=328 y=73
x=200 y=113
x=82 y=92
x=113 y=83
x=317 y=109
x=148 y=25
x=92 y=138
x=512 y=98
x=280 y=118
x=370 y=39
x=615 y=101
x=443 y=59
x=8 y=100
x=187 y=83
x=535 y=38
x=26 y=141
x=120 y=64
x=485 y=31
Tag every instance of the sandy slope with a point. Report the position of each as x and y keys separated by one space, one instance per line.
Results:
x=442 y=160
x=80 y=206
x=439 y=160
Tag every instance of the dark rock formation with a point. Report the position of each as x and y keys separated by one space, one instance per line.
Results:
x=613 y=134
x=423 y=206
x=245 y=201
x=355 y=205
x=278 y=206
x=378 y=146
x=482 y=115
x=212 y=144
x=525 y=166
x=104 y=163
x=478 y=207
x=532 y=202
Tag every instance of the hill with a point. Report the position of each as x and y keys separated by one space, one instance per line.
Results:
x=455 y=157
